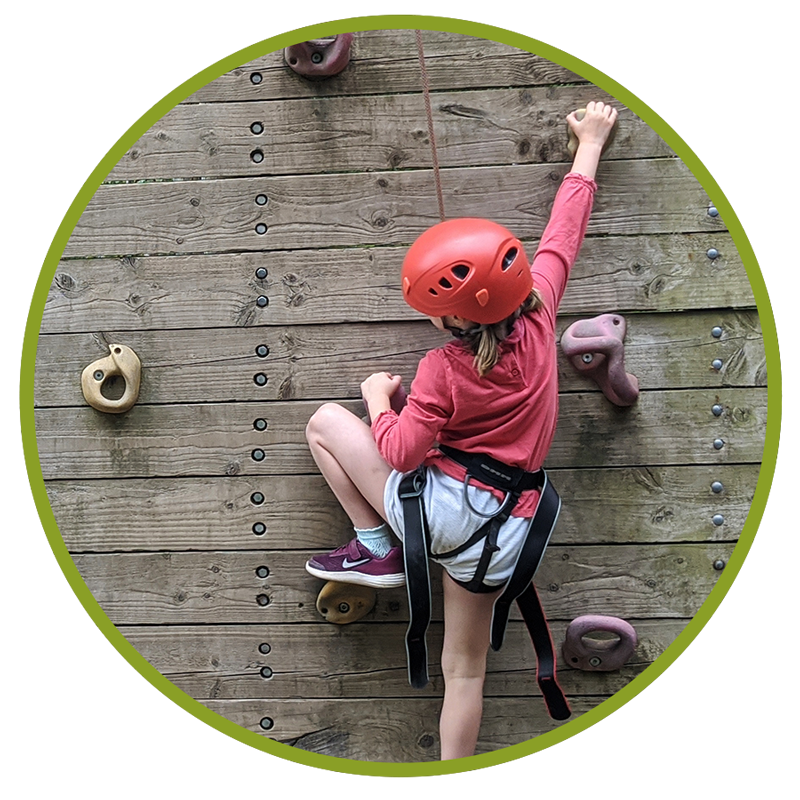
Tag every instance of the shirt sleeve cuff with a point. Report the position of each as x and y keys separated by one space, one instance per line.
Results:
x=583 y=179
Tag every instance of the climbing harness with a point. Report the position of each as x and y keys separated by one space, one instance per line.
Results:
x=417 y=551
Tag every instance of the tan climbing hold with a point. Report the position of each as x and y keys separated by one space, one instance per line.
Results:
x=342 y=603
x=572 y=142
x=121 y=361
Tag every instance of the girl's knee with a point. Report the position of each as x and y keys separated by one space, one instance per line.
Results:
x=323 y=419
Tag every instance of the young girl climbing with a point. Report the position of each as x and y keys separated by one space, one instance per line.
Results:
x=491 y=391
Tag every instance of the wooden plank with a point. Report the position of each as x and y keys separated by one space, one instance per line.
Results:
x=641 y=273
x=665 y=580
x=389 y=58
x=377 y=132
x=605 y=506
x=225 y=662
x=343 y=210
x=674 y=427
x=324 y=361
x=402 y=730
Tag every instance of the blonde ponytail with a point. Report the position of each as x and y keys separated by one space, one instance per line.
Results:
x=484 y=340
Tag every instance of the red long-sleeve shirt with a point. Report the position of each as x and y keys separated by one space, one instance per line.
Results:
x=511 y=412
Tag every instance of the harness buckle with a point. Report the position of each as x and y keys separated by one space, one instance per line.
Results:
x=417 y=485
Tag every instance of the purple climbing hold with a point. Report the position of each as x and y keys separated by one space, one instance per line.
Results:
x=599 y=655
x=320 y=58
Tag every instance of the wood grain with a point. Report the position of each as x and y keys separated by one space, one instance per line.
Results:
x=327 y=361
x=388 y=58
x=664 y=427
x=642 y=273
x=600 y=506
x=375 y=132
x=638 y=197
x=670 y=580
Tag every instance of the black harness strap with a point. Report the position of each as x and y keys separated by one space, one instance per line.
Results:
x=416 y=552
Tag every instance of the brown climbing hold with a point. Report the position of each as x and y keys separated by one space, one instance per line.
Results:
x=572 y=142
x=320 y=58
x=595 y=348
x=121 y=361
x=342 y=603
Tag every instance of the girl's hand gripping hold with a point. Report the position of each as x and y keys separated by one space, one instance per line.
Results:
x=592 y=132
x=377 y=391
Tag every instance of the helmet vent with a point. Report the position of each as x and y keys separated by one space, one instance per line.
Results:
x=445 y=284
x=460 y=271
x=509 y=257
x=434 y=292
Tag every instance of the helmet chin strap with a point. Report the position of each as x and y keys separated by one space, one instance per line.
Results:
x=457 y=332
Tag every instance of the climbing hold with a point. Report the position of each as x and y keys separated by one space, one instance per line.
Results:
x=120 y=362
x=342 y=603
x=602 y=338
x=320 y=58
x=599 y=655
x=572 y=141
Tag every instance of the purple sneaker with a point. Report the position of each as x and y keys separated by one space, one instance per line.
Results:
x=353 y=563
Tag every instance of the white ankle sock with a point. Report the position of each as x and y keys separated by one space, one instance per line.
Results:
x=377 y=540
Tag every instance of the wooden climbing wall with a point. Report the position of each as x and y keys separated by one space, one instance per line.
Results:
x=191 y=516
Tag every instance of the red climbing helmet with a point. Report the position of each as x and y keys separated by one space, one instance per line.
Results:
x=471 y=268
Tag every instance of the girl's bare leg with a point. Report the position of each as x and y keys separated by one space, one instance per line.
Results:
x=467 y=623
x=343 y=447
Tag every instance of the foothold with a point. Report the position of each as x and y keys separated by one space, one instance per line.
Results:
x=717 y=364
x=342 y=603
x=717 y=487
x=572 y=139
x=320 y=58
x=716 y=332
x=121 y=362
x=599 y=655
x=602 y=338
x=712 y=253
x=718 y=444
x=718 y=520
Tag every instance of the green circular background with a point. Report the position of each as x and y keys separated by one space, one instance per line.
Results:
x=90 y=86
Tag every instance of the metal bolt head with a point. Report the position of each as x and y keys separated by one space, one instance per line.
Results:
x=260 y=379
x=262 y=351
x=260 y=424
x=262 y=572
x=259 y=528
x=717 y=487
x=255 y=77
x=262 y=301
x=316 y=58
x=712 y=211
x=261 y=229
x=98 y=375
x=719 y=565
x=716 y=332
x=257 y=128
x=718 y=444
x=261 y=200
x=717 y=364
x=718 y=519
x=256 y=498
x=595 y=661
x=258 y=455
x=716 y=410
x=261 y=273
x=712 y=253
x=587 y=358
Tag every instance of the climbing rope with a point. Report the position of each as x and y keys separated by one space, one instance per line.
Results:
x=426 y=91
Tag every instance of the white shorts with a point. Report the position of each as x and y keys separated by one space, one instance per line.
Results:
x=451 y=523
